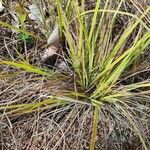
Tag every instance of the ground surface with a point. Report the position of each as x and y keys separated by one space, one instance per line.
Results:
x=58 y=128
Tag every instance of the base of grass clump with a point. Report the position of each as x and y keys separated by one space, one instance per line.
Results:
x=58 y=130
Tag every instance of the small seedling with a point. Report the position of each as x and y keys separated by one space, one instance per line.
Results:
x=23 y=37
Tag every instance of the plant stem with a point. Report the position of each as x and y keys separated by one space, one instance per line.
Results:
x=95 y=124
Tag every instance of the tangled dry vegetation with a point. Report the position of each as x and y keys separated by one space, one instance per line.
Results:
x=61 y=87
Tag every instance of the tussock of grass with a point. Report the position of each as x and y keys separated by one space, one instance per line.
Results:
x=100 y=58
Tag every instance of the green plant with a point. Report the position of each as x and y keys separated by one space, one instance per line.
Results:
x=99 y=58
x=24 y=38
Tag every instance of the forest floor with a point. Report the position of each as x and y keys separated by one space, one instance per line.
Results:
x=29 y=36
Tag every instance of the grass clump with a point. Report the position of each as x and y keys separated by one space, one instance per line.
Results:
x=98 y=58
x=101 y=58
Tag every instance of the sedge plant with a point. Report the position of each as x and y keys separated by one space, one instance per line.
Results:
x=99 y=58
